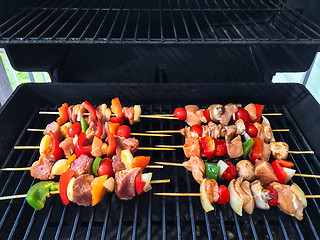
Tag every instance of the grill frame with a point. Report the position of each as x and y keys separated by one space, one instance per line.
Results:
x=201 y=22
x=142 y=217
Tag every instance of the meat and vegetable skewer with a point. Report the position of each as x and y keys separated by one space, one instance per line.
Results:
x=243 y=195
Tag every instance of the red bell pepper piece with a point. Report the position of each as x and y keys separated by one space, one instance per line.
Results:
x=111 y=141
x=74 y=130
x=81 y=148
x=259 y=109
x=90 y=109
x=139 y=184
x=281 y=174
x=256 y=149
x=99 y=129
x=285 y=163
x=206 y=113
x=63 y=185
x=56 y=151
x=116 y=107
x=63 y=114
x=208 y=146
x=119 y=120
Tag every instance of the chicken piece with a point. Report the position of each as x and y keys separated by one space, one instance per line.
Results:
x=245 y=169
x=128 y=114
x=264 y=132
x=241 y=128
x=216 y=111
x=192 y=147
x=67 y=146
x=81 y=190
x=124 y=183
x=229 y=110
x=211 y=190
x=264 y=172
x=55 y=128
x=96 y=147
x=230 y=132
x=197 y=167
x=41 y=169
x=279 y=150
x=100 y=113
x=251 y=109
x=261 y=195
x=77 y=112
x=214 y=130
x=234 y=148
x=249 y=206
x=265 y=154
x=242 y=194
x=201 y=116
x=192 y=117
x=289 y=203
x=82 y=165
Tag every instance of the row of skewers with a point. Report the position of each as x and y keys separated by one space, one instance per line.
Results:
x=100 y=134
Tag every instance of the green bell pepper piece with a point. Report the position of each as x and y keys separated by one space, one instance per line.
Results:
x=212 y=171
x=84 y=124
x=95 y=166
x=38 y=193
x=247 y=146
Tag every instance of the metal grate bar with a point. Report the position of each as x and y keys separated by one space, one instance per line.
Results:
x=173 y=22
x=195 y=21
x=193 y=226
x=90 y=223
x=267 y=226
x=126 y=22
x=135 y=217
x=138 y=22
x=184 y=21
x=114 y=21
x=79 y=21
x=223 y=227
x=120 y=220
x=56 y=237
x=237 y=225
x=105 y=222
x=254 y=232
x=75 y=223
x=44 y=226
x=103 y=21
x=29 y=225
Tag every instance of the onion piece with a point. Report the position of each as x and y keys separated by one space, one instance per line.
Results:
x=290 y=173
x=137 y=113
x=223 y=166
x=146 y=177
x=59 y=167
x=70 y=189
x=207 y=206
x=300 y=194
x=236 y=201
x=127 y=158
x=109 y=184
x=266 y=121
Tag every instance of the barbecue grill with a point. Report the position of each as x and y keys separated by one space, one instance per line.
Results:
x=161 y=55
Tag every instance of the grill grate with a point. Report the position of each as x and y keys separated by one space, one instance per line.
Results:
x=157 y=21
x=149 y=216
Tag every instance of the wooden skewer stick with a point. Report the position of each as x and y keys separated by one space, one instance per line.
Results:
x=165 y=116
x=139 y=148
x=57 y=192
x=28 y=168
x=182 y=165
x=198 y=195
x=181 y=146
x=133 y=134
x=172 y=115
x=22 y=196
x=178 y=131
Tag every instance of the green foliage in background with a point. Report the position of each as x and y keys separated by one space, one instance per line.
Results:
x=22 y=77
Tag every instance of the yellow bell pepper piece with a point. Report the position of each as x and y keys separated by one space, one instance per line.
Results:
x=44 y=144
x=98 y=189
x=69 y=161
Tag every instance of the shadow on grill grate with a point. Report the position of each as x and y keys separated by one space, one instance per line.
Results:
x=171 y=21
x=149 y=216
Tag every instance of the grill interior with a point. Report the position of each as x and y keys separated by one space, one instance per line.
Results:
x=156 y=21
x=148 y=216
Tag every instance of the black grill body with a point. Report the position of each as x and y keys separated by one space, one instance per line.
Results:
x=148 y=216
